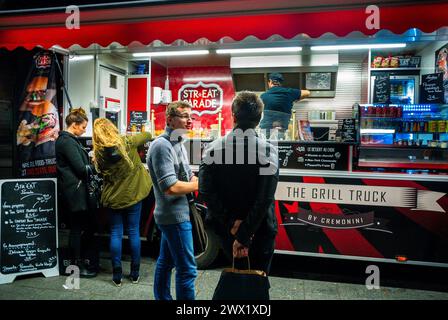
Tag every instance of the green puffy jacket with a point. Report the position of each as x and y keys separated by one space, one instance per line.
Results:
x=124 y=186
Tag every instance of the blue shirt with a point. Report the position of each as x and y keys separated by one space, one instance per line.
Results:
x=280 y=99
x=163 y=160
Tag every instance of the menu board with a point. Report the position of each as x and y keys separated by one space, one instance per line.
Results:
x=432 y=90
x=138 y=119
x=347 y=130
x=113 y=117
x=313 y=156
x=318 y=80
x=381 y=89
x=28 y=228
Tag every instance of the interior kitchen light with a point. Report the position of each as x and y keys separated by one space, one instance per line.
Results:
x=171 y=53
x=377 y=131
x=358 y=46
x=81 y=58
x=259 y=50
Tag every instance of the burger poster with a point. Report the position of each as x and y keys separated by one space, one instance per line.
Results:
x=38 y=120
x=442 y=66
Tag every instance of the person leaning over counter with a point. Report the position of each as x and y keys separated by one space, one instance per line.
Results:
x=125 y=184
x=278 y=102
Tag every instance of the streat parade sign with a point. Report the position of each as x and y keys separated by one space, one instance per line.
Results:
x=204 y=98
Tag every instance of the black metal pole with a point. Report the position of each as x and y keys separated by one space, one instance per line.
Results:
x=63 y=82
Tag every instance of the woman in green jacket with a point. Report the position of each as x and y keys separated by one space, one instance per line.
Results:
x=126 y=183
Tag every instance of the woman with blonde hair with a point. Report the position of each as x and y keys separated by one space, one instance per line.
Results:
x=126 y=183
x=71 y=162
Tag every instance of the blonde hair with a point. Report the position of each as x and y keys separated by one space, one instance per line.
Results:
x=106 y=135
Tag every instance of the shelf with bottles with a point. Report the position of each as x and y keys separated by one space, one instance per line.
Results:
x=138 y=68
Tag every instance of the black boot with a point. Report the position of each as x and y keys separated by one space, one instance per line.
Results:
x=135 y=273
x=117 y=274
x=84 y=272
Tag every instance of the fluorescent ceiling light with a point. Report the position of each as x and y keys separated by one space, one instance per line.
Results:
x=171 y=53
x=259 y=50
x=377 y=131
x=81 y=58
x=359 y=46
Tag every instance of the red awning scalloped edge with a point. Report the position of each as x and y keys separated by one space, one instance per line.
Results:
x=398 y=19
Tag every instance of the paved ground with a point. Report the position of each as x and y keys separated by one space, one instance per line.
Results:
x=282 y=288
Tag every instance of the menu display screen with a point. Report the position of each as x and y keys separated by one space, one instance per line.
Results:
x=318 y=81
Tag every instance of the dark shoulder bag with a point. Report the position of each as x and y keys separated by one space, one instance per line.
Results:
x=198 y=228
x=94 y=184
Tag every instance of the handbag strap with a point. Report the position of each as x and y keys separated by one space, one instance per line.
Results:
x=248 y=263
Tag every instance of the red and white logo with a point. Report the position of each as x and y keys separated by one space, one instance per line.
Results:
x=204 y=98
x=43 y=61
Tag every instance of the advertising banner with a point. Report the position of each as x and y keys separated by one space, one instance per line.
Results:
x=38 y=120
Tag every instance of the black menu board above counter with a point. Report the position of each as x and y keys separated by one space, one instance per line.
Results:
x=314 y=155
x=381 y=89
x=137 y=119
x=28 y=228
x=347 y=130
x=432 y=90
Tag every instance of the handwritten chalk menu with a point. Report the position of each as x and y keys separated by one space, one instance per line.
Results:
x=138 y=118
x=347 y=130
x=317 y=156
x=432 y=90
x=28 y=228
x=112 y=116
x=381 y=89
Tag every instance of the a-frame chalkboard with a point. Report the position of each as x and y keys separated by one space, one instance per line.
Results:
x=28 y=228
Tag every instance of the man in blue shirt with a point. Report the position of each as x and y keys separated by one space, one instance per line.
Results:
x=278 y=102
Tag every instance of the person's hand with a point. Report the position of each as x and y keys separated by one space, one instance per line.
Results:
x=195 y=184
x=194 y=179
x=239 y=250
x=235 y=227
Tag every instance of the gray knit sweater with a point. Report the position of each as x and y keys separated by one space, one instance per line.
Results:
x=163 y=163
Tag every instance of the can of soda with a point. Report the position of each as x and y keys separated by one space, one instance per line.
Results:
x=441 y=126
x=432 y=126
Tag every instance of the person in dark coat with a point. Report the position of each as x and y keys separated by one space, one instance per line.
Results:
x=238 y=177
x=71 y=162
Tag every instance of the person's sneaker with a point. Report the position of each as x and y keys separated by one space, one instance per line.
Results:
x=116 y=282
x=134 y=275
x=117 y=274
x=134 y=278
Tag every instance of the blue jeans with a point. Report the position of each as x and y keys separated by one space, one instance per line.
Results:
x=116 y=217
x=176 y=250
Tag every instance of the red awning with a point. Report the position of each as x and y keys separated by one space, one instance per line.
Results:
x=397 y=19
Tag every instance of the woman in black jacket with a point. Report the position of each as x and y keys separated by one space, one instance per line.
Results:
x=71 y=162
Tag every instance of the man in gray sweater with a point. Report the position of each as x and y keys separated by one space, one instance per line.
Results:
x=173 y=179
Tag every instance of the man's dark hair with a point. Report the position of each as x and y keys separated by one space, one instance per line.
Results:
x=247 y=108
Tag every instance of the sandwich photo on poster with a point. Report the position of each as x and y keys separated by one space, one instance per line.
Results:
x=442 y=66
x=38 y=120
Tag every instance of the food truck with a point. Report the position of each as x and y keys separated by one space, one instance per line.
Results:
x=364 y=162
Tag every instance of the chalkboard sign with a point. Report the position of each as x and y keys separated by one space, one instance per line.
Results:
x=28 y=228
x=317 y=156
x=432 y=90
x=113 y=117
x=137 y=119
x=347 y=130
x=381 y=89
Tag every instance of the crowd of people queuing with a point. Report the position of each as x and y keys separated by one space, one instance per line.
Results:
x=239 y=196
